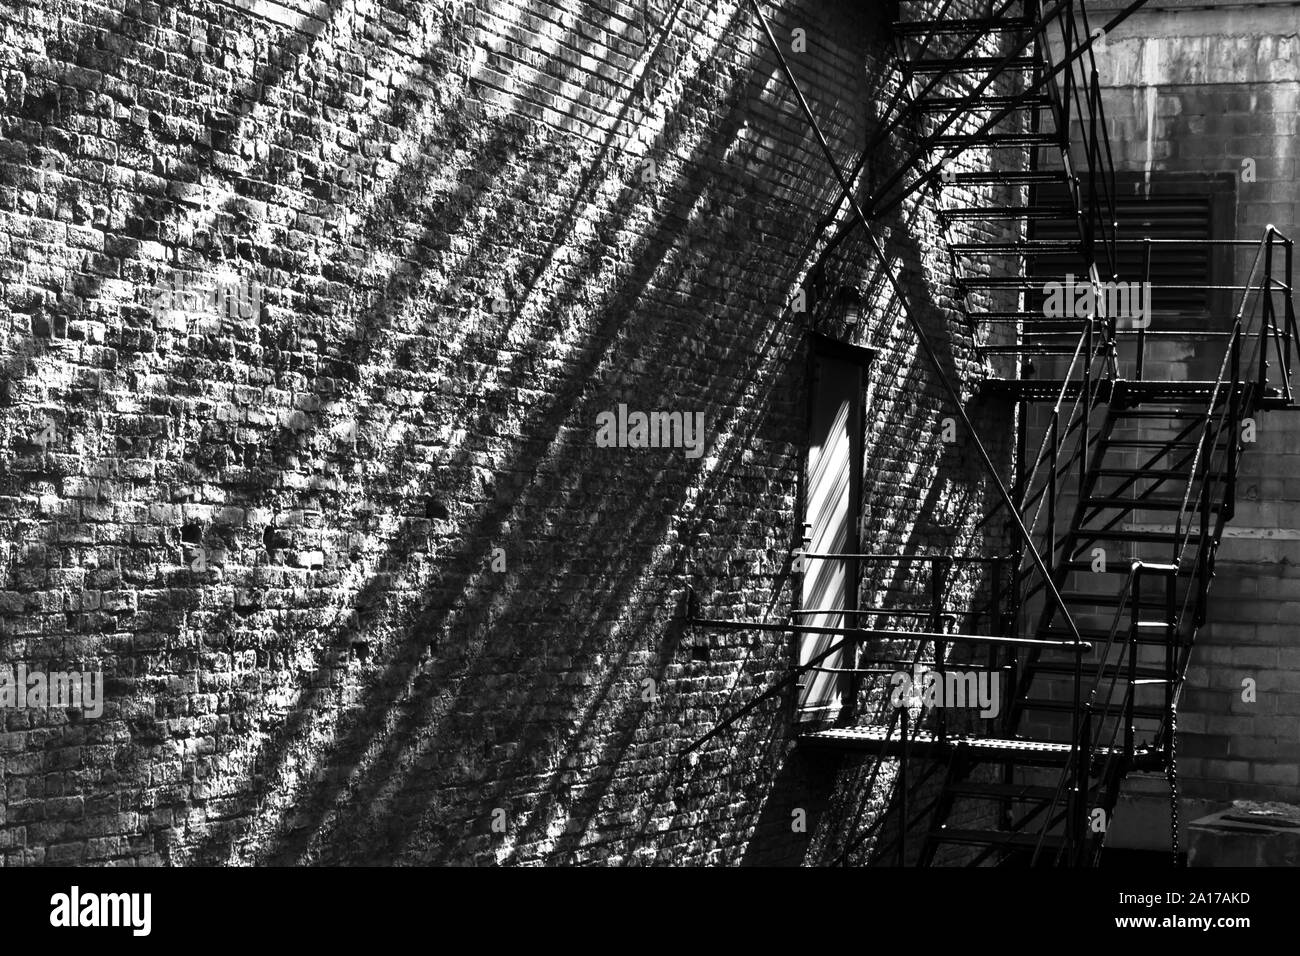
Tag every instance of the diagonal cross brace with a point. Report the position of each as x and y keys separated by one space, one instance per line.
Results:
x=917 y=328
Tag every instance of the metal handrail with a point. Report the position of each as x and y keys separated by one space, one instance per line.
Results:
x=1231 y=365
x=1224 y=414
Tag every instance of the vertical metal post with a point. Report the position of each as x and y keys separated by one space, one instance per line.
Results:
x=940 y=646
x=1263 y=334
x=995 y=627
x=1289 y=308
x=1082 y=766
x=997 y=620
x=1050 y=558
x=1075 y=711
x=1094 y=164
x=1142 y=329
x=1270 y=330
x=1234 y=422
x=1086 y=409
x=1135 y=615
x=902 y=790
x=1018 y=549
x=1067 y=20
x=1171 y=650
x=1203 y=550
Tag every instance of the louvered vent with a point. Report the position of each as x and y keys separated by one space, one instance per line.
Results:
x=1179 y=273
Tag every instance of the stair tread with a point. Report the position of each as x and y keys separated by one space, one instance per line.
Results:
x=1011 y=315
x=998 y=139
x=1146 y=637
x=1015 y=282
x=937 y=104
x=1150 y=388
x=1036 y=347
x=965 y=64
x=958 y=25
x=1028 y=247
x=1145 y=711
x=1148 y=473
x=1150 y=600
x=1009 y=177
x=1009 y=212
x=1153 y=596
x=1151 y=504
x=1090 y=668
x=1088 y=535
x=1002 y=791
x=980 y=747
x=945 y=834
x=1157 y=413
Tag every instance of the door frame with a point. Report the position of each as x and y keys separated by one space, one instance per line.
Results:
x=818 y=347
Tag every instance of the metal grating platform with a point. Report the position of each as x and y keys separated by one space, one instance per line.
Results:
x=925 y=743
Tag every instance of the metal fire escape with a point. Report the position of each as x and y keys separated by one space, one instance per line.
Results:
x=1122 y=483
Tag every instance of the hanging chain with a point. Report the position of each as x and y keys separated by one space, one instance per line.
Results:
x=1172 y=773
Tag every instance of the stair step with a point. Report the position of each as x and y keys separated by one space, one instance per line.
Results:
x=1149 y=600
x=1032 y=247
x=948 y=104
x=1011 y=178
x=1033 y=323
x=1150 y=473
x=1151 y=537
x=959 y=25
x=1150 y=443
x=1069 y=327
x=878 y=740
x=1038 y=348
x=1147 y=413
x=978 y=213
x=998 y=140
x=1089 y=669
x=1040 y=389
x=1143 y=711
x=1096 y=635
x=1008 y=282
x=1021 y=316
x=1153 y=391
x=945 y=834
x=1002 y=791
x=965 y=64
x=1148 y=504
x=1147 y=637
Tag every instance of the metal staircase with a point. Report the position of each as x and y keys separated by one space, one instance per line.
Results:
x=1122 y=485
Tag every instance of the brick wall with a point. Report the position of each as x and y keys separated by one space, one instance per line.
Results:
x=362 y=585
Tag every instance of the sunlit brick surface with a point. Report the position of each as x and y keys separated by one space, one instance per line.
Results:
x=362 y=584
